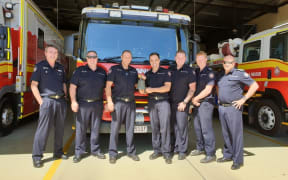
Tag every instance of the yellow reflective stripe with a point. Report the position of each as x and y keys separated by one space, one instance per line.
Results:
x=30 y=67
x=6 y=68
x=30 y=114
x=8 y=63
x=8 y=43
x=21 y=34
x=285 y=123
x=265 y=35
x=8 y=38
x=271 y=63
x=45 y=21
x=273 y=79
x=141 y=102
x=8 y=55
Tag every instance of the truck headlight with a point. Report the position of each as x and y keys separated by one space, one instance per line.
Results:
x=163 y=17
x=117 y=14
x=8 y=15
x=9 y=5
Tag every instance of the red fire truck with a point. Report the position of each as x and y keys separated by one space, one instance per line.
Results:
x=24 y=33
x=109 y=31
x=264 y=56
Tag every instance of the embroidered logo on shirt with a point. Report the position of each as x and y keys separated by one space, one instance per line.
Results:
x=211 y=75
x=101 y=74
x=246 y=75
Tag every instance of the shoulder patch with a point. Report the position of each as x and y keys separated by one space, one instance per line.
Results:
x=35 y=69
x=246 y=75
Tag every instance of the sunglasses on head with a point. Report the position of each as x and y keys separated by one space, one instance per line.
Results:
x=228 y=62
x=90 y=57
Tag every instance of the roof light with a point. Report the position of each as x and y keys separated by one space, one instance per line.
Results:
x=159 y=8
x=124 y=7
x=166 y=10
x=8 y=15
x=115 y=5
x=116 y=14
x=145 y=8
x=163 y=17
x=9 y=5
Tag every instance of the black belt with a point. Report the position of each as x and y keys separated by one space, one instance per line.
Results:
x=158 y=98
x=226 y=104
x=92 y=100
x=125 y=99
x=55 y=96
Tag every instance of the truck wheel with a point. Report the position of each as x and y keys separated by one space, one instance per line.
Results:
x=7 y=116
x=268 y=117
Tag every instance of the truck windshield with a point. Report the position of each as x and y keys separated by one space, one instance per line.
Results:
x=110 y=39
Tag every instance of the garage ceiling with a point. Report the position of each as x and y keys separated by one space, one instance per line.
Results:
x=215 y=20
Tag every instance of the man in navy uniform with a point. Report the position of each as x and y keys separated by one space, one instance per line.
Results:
x=182 y=90
x=121 y=102
x=231 y=100
x=48 y=85
x=86 y=92
x=158 y=84
x=203 y=111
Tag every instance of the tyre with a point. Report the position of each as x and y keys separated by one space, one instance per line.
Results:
x=7 y=116
x=268 y=117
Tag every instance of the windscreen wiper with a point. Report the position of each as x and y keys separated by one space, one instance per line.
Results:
x=115 y=59
x=167 y=62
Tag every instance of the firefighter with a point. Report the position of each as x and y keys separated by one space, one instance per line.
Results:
x=121 y=102
x=48 y=85
x=87 y=84
x=231 y=100
x=158 y=84
x=182 y=90
x=203 y=111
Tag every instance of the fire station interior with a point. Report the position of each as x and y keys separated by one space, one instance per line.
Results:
x=214 y=23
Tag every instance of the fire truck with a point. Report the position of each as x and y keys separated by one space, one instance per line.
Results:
x=264 y=56
x=24 y=33
x=109 y=31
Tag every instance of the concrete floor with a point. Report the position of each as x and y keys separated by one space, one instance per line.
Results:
x=264 y=158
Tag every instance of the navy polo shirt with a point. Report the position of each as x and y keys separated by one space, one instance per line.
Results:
x=50 y=79
x=157 y=79
x=124 y=81
x=181 y=78
x=90 y=84
x=231 y=85
x=203 y=78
